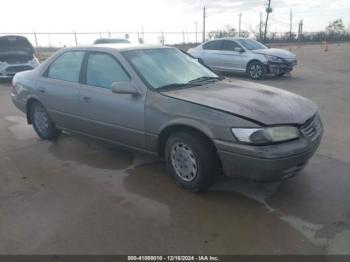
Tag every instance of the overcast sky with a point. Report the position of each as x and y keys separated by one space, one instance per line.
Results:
x=166 y=15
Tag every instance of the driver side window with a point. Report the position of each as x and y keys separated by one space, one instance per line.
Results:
x=103 y=70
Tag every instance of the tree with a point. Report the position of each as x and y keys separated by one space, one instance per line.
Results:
x=268 y=11
x=226 y=32
x=336 y=27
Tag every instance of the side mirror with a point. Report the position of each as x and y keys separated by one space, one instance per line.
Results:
x=238 y=49
x=126 y=88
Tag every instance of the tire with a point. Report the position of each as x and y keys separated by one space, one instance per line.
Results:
x=42 y=122
x=256 y=70
x=191 y=160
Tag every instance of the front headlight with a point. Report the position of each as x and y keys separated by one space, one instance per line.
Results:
x=274 y=58
x=266 y=135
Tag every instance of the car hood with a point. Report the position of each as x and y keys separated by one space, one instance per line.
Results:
x=259 y=103
x=276 y=52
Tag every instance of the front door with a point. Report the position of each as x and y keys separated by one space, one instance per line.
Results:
x=115 y=117
x=231 y=59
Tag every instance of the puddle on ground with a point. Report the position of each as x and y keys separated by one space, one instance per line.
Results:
x=20 y=128
x=254 y=190
x=309 y=230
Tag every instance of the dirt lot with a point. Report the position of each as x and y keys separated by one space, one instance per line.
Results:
x=79 y=196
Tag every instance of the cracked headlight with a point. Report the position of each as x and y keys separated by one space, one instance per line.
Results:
x=268 y=135
x=272 y=58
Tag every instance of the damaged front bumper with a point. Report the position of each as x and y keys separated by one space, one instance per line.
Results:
x=271 y=162
x=277 y=68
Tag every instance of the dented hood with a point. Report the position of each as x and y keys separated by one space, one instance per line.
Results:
x=276 y=52
x=264 y=104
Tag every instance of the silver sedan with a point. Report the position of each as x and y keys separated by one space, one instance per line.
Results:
x=244 y=55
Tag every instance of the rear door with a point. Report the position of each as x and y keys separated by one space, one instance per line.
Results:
x=58 y=89
x=230 y=59
x=211 y=53
x=116 y=117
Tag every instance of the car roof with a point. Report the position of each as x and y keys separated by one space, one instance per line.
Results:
x=230 y=38
x=119 y=47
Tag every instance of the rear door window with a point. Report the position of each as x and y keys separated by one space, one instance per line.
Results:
x=213 y=45
x=67 y=66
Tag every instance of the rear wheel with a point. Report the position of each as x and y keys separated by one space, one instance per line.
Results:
x=191 y=160
x=42 y=122
x=256 y=70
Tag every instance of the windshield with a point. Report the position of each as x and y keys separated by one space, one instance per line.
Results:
x=251 y=44
x=167 y=66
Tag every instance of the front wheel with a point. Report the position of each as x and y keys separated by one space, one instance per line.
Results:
x=256 y=70
x=191 y=160
x=42 y=122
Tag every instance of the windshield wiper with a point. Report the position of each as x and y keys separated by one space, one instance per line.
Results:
x=194 y=82
x=206 y=79
x=173 y=86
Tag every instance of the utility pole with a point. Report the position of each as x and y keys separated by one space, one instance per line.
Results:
x=268 y=11
x=239 y=24
x=300 y=30
x=204 y=24
x=196 y=31
x=291 y=24
x=260 y=27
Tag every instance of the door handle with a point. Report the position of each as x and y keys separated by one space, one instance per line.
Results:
x=42 y=90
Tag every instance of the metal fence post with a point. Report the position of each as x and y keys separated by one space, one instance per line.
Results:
x=36 y=40
x=75 y=37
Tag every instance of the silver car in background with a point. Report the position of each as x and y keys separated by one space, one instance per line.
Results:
x=244 y=55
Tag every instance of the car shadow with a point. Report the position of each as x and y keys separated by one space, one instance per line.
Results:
x=90 y=152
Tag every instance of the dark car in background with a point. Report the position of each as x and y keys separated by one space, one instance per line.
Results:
x=111 y=41
x=16 y=54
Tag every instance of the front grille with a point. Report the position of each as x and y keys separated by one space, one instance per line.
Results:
x=312 y=127
x=16 y=69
